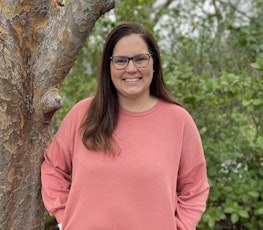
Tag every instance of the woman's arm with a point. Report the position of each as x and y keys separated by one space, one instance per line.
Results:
x=192 y=181
x=56 y=170
x=192 y=194
x=55 y=182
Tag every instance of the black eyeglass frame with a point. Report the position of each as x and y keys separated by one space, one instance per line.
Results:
x=131 y=58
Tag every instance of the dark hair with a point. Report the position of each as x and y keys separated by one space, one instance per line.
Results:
x=102 y=116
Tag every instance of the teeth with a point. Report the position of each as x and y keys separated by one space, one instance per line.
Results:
x=131 y=79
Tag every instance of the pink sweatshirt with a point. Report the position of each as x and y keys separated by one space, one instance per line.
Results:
x=158 y=182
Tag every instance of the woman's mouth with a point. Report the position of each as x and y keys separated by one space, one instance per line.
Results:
x=134 y=79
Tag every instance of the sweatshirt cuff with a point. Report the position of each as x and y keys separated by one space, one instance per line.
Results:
x=59 y=214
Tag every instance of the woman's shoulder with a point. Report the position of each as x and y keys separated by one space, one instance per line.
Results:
x=172 y=108
x=176 y=113
x=79 y=109
x=82 y=105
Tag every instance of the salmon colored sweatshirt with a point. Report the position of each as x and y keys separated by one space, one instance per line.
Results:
x=158 y=182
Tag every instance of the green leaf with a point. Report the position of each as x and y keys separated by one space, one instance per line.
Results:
x=260 y=211
x=255 y=65
x=211 y=223
x=229 y=210
x=243 y=213
x=228 y=189
x=234 y=218
x=253 y=194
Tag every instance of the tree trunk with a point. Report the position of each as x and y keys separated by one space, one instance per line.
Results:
x=39 y=42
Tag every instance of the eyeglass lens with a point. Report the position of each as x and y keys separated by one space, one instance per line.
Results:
x=140 y=61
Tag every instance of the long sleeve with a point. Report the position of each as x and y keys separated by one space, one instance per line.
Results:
x=56 y=180
x=57 y=166
x=192 y=183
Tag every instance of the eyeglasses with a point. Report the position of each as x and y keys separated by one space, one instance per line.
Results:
x=140 y=61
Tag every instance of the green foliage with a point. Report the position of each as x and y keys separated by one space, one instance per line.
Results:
x=216 y=70
x=229 y=112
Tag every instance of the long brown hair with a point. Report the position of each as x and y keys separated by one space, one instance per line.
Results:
x=102 y=115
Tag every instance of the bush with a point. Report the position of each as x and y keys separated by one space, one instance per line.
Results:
x=228 y=111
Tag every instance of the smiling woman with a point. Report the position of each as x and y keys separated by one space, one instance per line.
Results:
x=131 y=155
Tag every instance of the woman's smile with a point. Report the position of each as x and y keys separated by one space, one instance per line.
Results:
x=132 y=80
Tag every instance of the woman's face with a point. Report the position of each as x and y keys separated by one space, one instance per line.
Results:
x=132 y=82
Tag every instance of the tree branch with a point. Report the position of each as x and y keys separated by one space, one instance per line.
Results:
x=66 y=33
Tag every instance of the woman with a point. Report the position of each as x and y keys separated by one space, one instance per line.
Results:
x=130 y=157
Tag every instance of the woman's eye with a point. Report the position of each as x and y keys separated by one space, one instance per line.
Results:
x=140 y=58
x=120 y=60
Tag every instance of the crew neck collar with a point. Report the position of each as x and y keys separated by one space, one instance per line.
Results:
x=142 y=113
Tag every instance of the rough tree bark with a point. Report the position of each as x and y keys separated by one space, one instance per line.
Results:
x=39 y=42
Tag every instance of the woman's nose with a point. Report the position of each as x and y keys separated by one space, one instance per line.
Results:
x=131 y=67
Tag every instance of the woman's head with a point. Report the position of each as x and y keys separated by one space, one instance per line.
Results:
x=117 y=34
